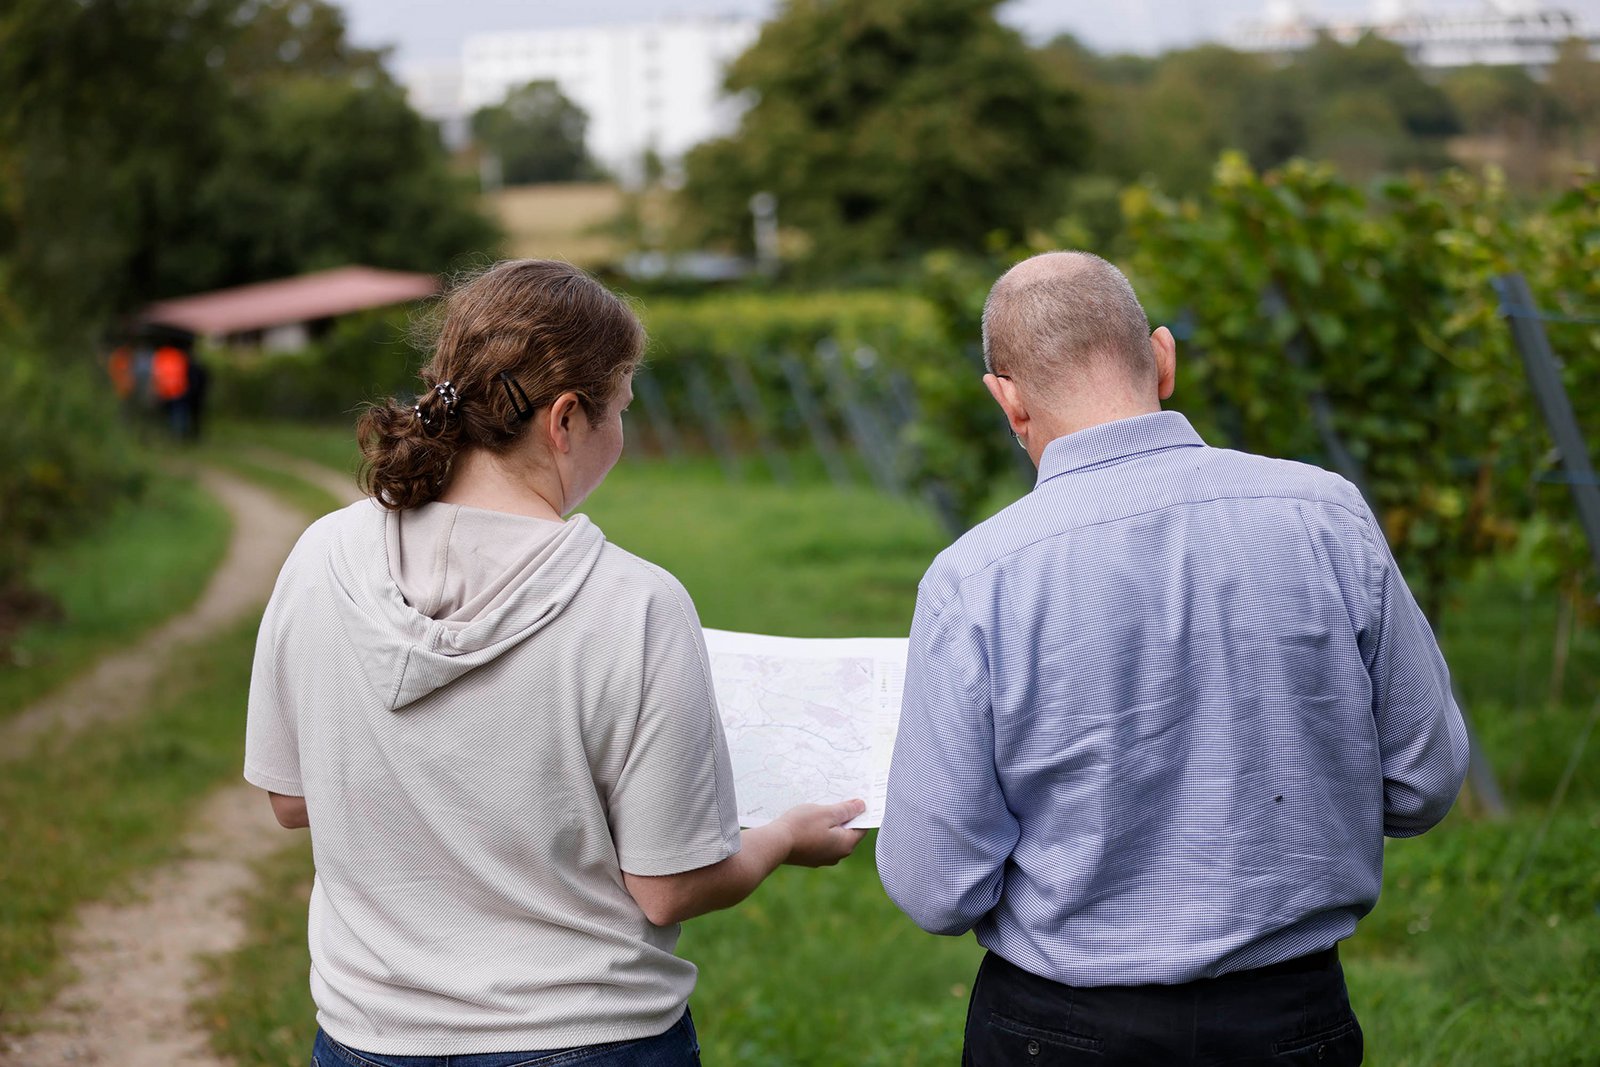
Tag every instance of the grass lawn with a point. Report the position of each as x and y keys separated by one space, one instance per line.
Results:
x=1484 y=949
x=304 y=497
x=331 y=445
x=150 y=560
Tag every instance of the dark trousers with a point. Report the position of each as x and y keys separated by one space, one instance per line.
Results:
x=1296 y=1012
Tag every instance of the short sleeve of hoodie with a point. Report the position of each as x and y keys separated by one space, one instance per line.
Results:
x=271 y=749
x=673 y=808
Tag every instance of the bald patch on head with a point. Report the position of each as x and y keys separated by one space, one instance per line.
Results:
x=1060 y=315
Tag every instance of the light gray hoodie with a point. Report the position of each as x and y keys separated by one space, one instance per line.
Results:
x=490 y=718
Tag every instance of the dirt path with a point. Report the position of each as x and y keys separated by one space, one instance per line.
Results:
x=137 y=960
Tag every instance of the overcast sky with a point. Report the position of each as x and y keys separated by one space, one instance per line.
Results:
x=429 y=29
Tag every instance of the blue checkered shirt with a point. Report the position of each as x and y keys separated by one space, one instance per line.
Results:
x=1160 y=713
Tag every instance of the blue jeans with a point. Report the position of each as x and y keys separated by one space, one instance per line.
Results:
x=678 y=1047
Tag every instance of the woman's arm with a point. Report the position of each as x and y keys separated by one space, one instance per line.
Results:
x=808 y=835
x=291 y=811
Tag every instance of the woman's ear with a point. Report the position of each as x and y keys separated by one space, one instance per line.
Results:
x=559 y=421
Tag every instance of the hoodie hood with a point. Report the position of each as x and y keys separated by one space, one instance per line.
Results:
x=430 y=594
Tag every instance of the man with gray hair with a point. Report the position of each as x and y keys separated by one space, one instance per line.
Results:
x=1159 y=716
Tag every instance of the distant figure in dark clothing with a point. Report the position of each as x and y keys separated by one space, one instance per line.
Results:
x=144 y=397
x=169 y=385
x=195 y=399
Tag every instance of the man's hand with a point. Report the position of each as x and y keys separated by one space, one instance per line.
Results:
x=819 y=837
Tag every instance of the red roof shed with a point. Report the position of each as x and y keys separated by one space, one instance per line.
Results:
x=288 y=301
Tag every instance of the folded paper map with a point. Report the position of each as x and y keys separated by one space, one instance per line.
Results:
x=808 y=720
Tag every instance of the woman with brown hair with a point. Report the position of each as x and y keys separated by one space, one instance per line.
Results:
x=499 y=727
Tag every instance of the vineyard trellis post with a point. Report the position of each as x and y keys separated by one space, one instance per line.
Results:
x=748 y=394
x=863 y=427
x=657 y=415
x=903 y=396
x=1343 y=460
x=704 y=401
x=1544 y=375
x=811 y=413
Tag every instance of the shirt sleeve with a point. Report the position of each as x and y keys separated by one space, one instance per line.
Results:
x=673 y=808
x=1422 y=738
x=271 y=748
x=947 y=831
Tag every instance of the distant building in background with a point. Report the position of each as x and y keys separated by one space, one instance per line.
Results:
x=651 y=87
x=1505 y=33
x=433 y=88
x=285 y=315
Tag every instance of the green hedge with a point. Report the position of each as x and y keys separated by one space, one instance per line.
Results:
x=67 y=454
x=363 y=358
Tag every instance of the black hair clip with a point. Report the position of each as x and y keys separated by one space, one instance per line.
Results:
x=514 y=393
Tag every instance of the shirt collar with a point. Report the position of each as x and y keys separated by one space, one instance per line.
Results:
x=1111 y=441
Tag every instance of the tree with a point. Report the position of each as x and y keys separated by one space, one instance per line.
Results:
x=1575 y=85
x=1363 y=106
x=105 y=110
x=537 y=134
x=1202 y=101
x=886 y=127
x=1510 y=120
x=318 y=172
x=163 y=146
x=1370 y=109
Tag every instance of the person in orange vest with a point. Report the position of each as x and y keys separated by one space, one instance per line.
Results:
x=169 y=383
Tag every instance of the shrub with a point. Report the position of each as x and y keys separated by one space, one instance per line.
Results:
x=67 y=454
x=364 y=357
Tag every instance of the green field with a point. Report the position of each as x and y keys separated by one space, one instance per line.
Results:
x=1483 y=950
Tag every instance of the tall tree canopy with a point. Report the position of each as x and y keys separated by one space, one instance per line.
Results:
x=1362 y=106
x=166 y=146
x=537 y=134
x=885 y=127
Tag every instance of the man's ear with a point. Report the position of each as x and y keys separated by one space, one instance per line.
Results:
x=1006 y=394
x=1165 y=349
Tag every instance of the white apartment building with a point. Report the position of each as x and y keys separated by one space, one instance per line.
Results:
x=1523 y=33
x=653 y=86
x=433 y=88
